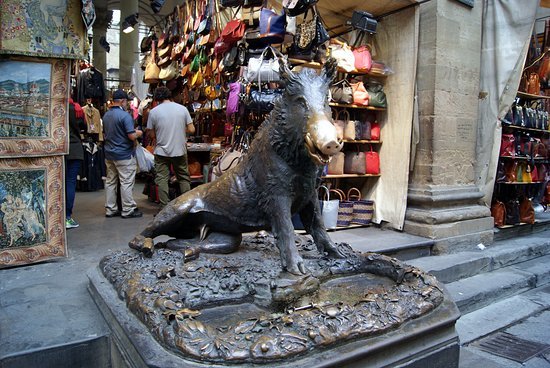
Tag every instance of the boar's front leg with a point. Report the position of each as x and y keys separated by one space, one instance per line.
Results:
x=313 y=224
x=283 y=231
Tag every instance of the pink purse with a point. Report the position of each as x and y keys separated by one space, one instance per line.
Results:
x=360 y=94
x=363 y=59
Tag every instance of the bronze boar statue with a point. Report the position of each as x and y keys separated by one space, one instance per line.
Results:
x=278 y=177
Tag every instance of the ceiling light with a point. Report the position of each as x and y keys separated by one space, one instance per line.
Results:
x=129 y=23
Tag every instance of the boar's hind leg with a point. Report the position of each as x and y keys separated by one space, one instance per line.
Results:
x=313 y=224
x=217 y=242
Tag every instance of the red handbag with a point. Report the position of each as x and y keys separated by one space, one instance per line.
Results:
x=360 y=94
x=233 y=31
x=375 y=131
x=372 y=162
x=507 y=147
x=363 y=59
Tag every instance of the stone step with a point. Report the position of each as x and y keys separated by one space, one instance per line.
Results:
x=452 y=267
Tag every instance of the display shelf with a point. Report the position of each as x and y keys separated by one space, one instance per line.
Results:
x=515 y=127
x=520 y=182
x=361 y=141
x=316 y=65
x=354 y=106
x=528 y=96
x=538 y=160
x=349 y=176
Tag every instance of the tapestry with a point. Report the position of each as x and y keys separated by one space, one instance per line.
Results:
x=32 y=210
x=45 y=28
x=33 y=106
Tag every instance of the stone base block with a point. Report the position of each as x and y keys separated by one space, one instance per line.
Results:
x=427 y=341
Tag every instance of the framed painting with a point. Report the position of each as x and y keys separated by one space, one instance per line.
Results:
x=33 y=106
x=43 y=28
x=32 y=210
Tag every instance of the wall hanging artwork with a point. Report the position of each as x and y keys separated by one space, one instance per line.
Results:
x=45 y=28
x=32 y=210
x=33 y=106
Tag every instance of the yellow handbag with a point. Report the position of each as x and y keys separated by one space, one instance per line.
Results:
x=152 y=70
x=197 y=79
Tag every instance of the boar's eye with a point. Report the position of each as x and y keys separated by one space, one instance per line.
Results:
x=301 y=102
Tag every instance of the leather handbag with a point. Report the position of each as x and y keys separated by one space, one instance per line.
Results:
x=329 y=211
x=377 y=96
x=360 y=94
x=272 y=26
x=498 y=212
x=344 y=56
x=340 y=123
x=169 y=72
x=336 y=164
x=363 y=59
x=152 y=70
x=297 y=7
x=350 y=130
x=526 y=211
x=372 y=160
x=233 y=31
x=512 y=212
x=306 y=31
x=363 y=209
x=533 y=84
x=375 y=131
x=507 y=146
x=230 y=157
x=262 y=69
x=510 y=170
x=341 y=92
x=262 y=101
x=322 y=34
x=355 y=163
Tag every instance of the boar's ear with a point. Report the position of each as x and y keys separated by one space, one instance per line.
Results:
x=286 y=74
x=329 y=69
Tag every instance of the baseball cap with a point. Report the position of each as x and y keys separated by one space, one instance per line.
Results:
x=119 y=95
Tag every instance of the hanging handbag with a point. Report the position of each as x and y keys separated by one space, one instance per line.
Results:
x=372 y=160
x=363 y=59
x=262 y=69
x=526 y=211
x=306 y=31
x=498 y=212
x=272 y=26
x=329 y=209
x=336 y=164
x=360 y=94
x=322 y=34
x=377 y=96
x=232 y=103
x=355 y=163
x=169 y=72
x=261 y=101
x=363 y=209
x=152 y=70
x=233 y=31
x=341 y=92
x=345 y=209
x=297 y=7
x=507 y=146
x=344 y=56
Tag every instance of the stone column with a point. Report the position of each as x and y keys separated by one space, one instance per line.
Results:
x=100 y=30
x=443 y=201
x=128 y=43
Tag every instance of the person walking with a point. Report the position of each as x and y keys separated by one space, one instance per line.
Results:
x=167 y=126
x=73 y=161
x=120 y=135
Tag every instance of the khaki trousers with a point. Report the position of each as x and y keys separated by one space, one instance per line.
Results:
x=123 y=172
x=162 y=175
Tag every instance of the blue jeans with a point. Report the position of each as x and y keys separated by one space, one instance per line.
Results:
x=72 y=167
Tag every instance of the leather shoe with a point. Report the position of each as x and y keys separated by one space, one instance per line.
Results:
x=133 y=214
x=114 y=214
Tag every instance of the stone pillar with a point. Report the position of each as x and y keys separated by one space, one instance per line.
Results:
x=100 y=30
x=443 y=201
x=128 y=43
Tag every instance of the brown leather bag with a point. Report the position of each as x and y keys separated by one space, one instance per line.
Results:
x=533 y=84
x=498 y=212
x=152 y=70
x=526 y=211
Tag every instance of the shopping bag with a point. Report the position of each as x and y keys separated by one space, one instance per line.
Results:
x=329 y=211
x=145 y=159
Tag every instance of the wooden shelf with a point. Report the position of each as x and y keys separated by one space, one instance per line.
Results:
x=353 y=106
x=520 y=182
x=361 y=141
x=529 y=96
x=509 y=126
x=540 y=160
x=316 y=65
x=349 y=176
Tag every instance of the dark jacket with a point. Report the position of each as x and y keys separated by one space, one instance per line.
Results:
x=76 y=152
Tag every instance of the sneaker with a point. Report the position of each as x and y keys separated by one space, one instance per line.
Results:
x=70 y=223
x=134 y=213
x=114 y=214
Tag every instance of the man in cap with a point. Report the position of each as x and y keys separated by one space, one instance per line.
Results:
x=120 y=160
